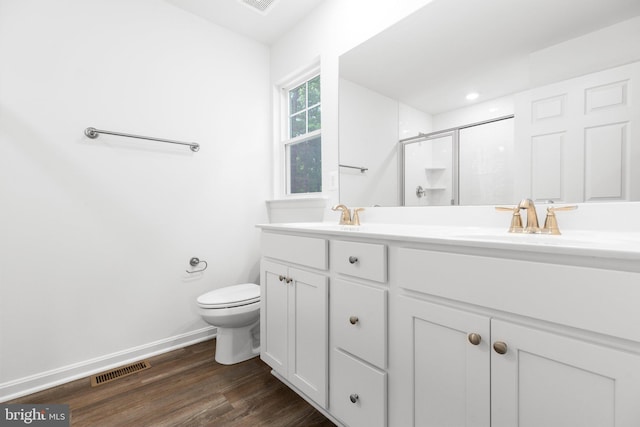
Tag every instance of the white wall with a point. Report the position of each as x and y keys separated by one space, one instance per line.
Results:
x=370 y=126
x=96 y=235
x=369 y=135
x=608 y=47
x=412 y=121
x=332 y=29
x=474 y=113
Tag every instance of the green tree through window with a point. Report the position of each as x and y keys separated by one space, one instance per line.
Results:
x=306 y=167
x=304 y=147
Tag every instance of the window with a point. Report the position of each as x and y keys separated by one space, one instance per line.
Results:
x=302 y=145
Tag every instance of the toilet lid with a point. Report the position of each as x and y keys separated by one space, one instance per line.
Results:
x=230 y=296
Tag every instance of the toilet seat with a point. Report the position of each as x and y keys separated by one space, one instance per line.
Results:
x=230 y=296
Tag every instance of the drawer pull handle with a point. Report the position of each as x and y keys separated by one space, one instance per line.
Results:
x=353 y=259
x=354 y=398
x=353 y=320
x=500 y=347
x=475 y=338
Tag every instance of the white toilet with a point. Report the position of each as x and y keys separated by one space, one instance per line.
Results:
x=235 y=311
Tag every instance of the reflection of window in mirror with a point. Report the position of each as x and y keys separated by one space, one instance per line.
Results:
x=302 y=136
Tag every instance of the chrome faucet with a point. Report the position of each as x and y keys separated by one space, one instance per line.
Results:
x=345 y=218
x=532 y=216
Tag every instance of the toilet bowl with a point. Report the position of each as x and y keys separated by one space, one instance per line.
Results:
x=235 y=311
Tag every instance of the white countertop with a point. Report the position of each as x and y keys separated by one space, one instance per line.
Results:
x=611 y=249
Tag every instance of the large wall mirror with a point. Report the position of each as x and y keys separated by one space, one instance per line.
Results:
x=486 y=102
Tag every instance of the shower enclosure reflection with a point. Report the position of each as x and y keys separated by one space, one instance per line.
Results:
x=429 y=170
x=469 y=165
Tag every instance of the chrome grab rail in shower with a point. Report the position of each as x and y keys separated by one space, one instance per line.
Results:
x=93 y=134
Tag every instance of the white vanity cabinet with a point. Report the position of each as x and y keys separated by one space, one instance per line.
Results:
x=394 y=328
x=294 y=312
x=472 y=366
x=358 y=333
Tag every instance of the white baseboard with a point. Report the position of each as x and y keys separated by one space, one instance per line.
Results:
x=44 y=380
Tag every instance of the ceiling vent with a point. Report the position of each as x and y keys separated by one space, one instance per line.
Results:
x=261 y=6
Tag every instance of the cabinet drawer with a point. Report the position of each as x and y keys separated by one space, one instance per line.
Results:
x=308 y=251
x=364 y=260
x=598 y=300
x=359 y=320
x=358 y=392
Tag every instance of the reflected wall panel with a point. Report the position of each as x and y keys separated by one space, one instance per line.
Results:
x=547 y=166
x=604 y=161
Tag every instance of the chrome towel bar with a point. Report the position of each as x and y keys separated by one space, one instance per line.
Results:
x=362 y=169
x=93 y=134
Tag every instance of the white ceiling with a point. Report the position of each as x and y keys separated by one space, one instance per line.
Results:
x=266 y=28
x=456 y=46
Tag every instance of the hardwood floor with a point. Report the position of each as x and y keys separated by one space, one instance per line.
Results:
x=185 y=387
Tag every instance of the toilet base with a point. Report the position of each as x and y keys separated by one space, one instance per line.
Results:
x=235 y=345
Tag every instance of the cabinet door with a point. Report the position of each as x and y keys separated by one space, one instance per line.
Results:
x=273 y=316
x=451 y=379
x=545 y=379
x=308 y=334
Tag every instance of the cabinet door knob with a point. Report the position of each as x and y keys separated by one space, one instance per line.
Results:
x=281 y=277
x=353 y=320
x=353 y=259
x=288 y=280
x=354 y=398
x=500 y=347
x=474 y=338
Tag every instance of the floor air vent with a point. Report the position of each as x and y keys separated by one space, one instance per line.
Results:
x=120 y=372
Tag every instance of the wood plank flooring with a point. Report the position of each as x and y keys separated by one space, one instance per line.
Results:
x=186 y=387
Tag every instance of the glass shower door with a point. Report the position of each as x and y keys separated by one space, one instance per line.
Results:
x=486 y=163
x=429 y=175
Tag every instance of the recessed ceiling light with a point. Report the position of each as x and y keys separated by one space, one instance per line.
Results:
x=472 y=95
x=261 y=6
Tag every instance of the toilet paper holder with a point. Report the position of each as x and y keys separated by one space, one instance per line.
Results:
x=195 y=261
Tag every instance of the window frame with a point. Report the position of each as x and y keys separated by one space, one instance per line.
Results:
x=284 y=141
